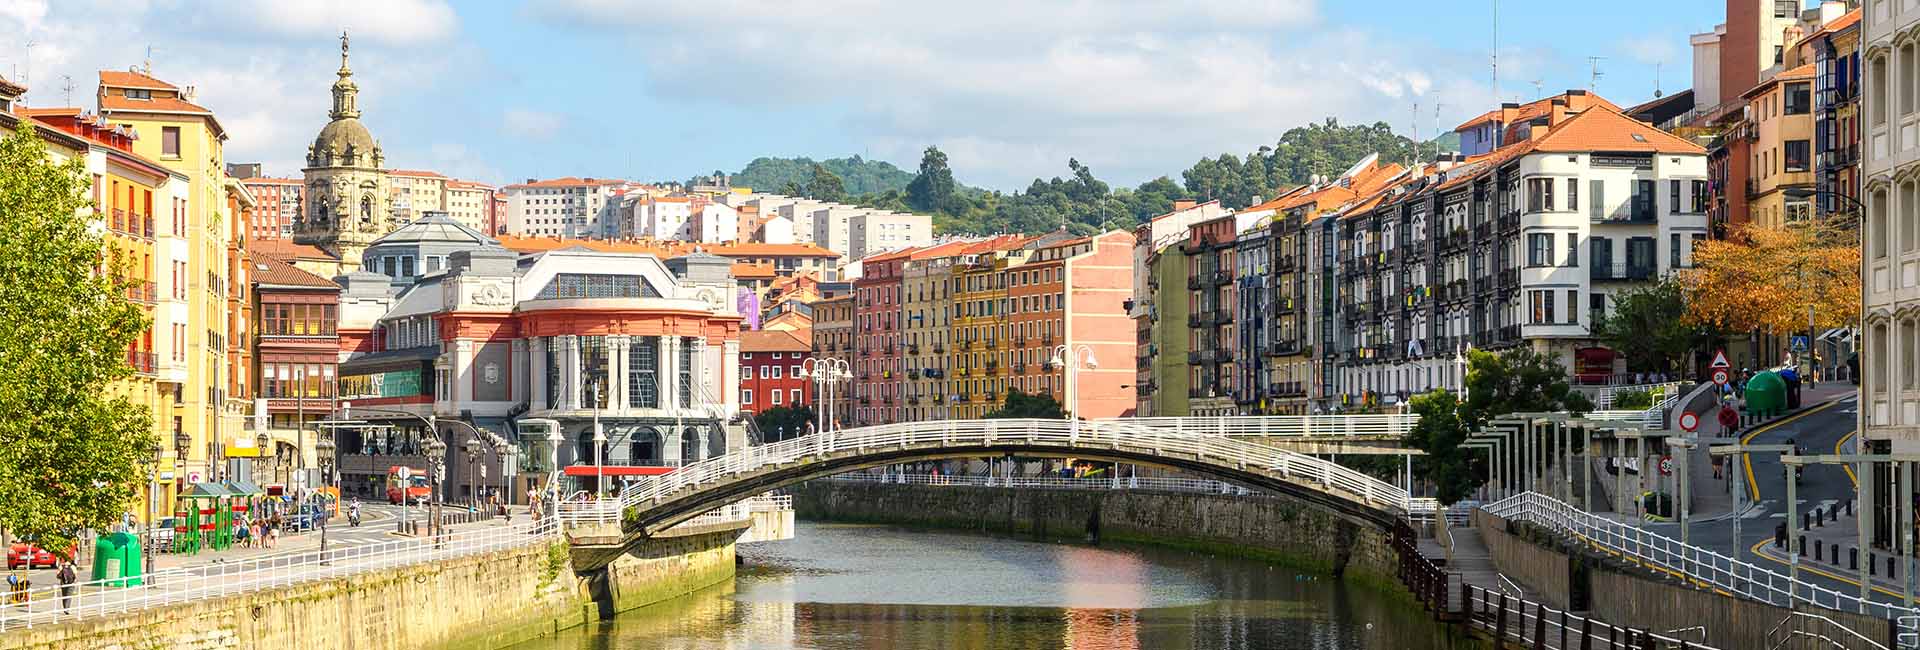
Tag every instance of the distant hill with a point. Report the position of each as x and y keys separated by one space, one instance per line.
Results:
x=859 y=175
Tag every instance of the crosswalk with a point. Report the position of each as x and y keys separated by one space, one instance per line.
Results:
x=1806 y=505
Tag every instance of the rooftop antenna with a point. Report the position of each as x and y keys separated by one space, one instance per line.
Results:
x=1539 y=88
x=25 y=77
x=1656 y=80
x=1436 y=129
x=146 y=65
x=1496 y=53
x=1414 y=119
x=1594 y=81
x=67 y=86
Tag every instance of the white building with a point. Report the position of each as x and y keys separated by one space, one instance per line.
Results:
x=564 y=207
x=1890 y=349
x=880 y=230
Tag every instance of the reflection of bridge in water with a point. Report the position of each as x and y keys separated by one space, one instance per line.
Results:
x=1230 y=449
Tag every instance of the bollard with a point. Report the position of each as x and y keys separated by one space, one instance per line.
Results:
x=1836 y=554
x=1833 y=514
x=1890 y=566
x=1817 y=554
x=1849 y=507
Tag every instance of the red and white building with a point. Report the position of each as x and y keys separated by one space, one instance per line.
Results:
x=276 y=205
x=770 y=362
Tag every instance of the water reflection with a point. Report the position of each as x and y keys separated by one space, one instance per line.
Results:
x=839 y=587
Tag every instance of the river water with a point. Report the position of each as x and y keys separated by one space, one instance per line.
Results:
x=844 y=587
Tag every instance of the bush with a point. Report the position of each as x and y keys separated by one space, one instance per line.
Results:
x=1632 y=400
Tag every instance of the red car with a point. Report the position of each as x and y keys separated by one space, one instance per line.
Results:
x=31 y=556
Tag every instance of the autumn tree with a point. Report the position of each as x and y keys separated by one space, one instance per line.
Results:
x=1766 y=279
x=71 y=453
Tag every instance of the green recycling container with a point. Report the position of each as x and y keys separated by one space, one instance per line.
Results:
x=116 y=559
x=1766 y=394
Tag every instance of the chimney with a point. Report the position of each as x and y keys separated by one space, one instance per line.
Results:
x=531 y=181
x=1184 y=204
x=1557 y=111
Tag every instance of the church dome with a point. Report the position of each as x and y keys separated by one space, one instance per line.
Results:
x=339 y=134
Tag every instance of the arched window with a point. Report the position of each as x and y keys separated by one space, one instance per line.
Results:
x=689 y=445
x=366 y=208
x=643 y=447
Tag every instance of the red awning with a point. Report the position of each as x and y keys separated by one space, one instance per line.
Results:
x=615 y=470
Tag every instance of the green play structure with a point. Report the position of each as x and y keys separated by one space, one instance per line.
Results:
x=206 y=514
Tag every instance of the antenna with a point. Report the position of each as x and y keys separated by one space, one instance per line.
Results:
x=25 y=77
x=67 y=87
x=1436 y=129
x=1539 y=88
x=1496 y=53
x=146 y=65
x=1594 y=80
x=1656 y=79
x=1414 y=154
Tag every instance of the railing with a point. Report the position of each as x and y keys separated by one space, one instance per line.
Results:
x=1283 y=426
x=1816 y=630
x=1604 y=400
x=141 y=360
x=1522 y=623
x=1700 y=566
x=1162 y=483
x=1653 y=417
x=1316 y=473
x=213 y=580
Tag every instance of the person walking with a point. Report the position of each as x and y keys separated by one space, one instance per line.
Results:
x=67 y=577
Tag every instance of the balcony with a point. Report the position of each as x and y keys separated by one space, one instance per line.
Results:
x=866 y=400
x=1019 y=340
x=1194 y=320
x=866 y=352
x=1046 y=339
x=1193 y=358
x=1193 y=282
x=143 y=292
x=1610 y=272
x=992 y=344
x=963 y=371
x=141 y=360
x=1020 y=367
x=1287 y=389
x=939 y=399
x=962 y=398
x=939 y=348
x=1508 y=279
x=913 y=400
x=1223 y=355
x=993 y=366
x=934 y=373
x=913 y=373
x=913 y=348
x=1222 y=277
x=887 y=349
x=1283 y=263
x=1482 y=231
x=1046 y=366
x=1510 y=221
x=1283 y=347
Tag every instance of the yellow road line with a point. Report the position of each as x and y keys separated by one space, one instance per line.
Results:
x=1753 y=486
x=1816 y=571
x=1849 y=468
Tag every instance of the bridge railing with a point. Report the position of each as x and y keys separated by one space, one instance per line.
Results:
x=43 y=604
x=609 y=511
x=1162 y=483
x=1068 y=434
x=1700 y=566
x=1285 y=426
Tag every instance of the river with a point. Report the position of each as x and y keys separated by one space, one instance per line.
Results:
x=842 y=587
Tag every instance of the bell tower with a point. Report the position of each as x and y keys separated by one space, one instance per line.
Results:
x=348 y=191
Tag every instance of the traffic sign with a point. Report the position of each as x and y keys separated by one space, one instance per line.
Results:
x=1800 y=343
x=1689 y=421
x=1720 y=377
x=1720 y=359
x=1666 y=465
x=404 y=472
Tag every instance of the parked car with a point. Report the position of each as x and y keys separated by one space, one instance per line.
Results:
x=28 y=555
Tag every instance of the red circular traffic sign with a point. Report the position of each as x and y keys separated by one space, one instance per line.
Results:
x=1666 y=465
x=1689 y=421
x=1720 y=377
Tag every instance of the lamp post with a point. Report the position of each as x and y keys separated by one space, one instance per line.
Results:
x=1080 y=354
x=826 y=372
x=472 y=447
x=599 y=443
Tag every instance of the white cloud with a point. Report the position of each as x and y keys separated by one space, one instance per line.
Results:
x=1653 y=48
x=530 y=124
x=1131 y=88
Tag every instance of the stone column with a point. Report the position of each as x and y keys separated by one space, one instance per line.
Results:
x=729 y=375
x=536 y=372
x=618 y=353
x=669 y=375
x=460 y=373
x=570 y=390
x=517 y=371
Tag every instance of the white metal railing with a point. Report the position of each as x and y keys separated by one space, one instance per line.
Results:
x=218 y=579
x=1226 y=452
x=1286 y=426
x=1604 y=399
x=609 y=511
x=1165 y=483
x=1796 y=626
x=1653 y=417
x=1701 y=566
x=770 y=503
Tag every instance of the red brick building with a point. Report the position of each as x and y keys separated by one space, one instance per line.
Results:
x=276 y=205
x=770 y=370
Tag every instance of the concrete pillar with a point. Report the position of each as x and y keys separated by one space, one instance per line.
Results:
x=729 y=375
x=537 y=373
x=517 y=377
x=460 y=374
x=670 y=376
x=570 y=390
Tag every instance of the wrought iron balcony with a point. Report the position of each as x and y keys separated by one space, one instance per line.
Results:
x=1194 y=282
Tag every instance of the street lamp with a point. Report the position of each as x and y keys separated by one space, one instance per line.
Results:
x=599 y=444
x=826 y=372
x=1080 y=353
x=472 y=447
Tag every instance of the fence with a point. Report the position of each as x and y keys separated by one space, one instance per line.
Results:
x=1603 y=400
x=1534 y=625
x=44 y=605
x=608 y=511
x=1391 y=426
x=1700 y=566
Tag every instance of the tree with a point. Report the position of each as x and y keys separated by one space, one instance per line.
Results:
x=1766 y=279
x=1515 y=381
x=1022 y=405
x=783 y=422
x=932 y=190
x=825 y=186
x=71 y=453
x=1649 y=326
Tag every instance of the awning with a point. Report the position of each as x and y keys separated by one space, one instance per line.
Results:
x=243 y=487
x=388 y=360
x=206 y=491
x=1837 y=334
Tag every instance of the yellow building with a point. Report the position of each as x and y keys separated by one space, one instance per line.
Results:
x=979 y=357
x=132 y=204
x=197 y=234
x=1782 y=176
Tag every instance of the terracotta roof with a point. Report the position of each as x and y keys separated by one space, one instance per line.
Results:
x=941 y=250
x=467 y=185
x=286 y=250
x=1530 y=110
x=1802 y=72
x=270 y=270
x=772 y=341
x=890 y=255
x=1845 y=20
x=11 y=88
x=269 y=180
x=1274 y=203
x=51 y=111
x=132 y=79
x=169 y=105
x=415 y=172
x=752 y=271
x=1606 y=129
x=569 y=181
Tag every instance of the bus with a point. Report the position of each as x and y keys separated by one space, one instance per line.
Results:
x=412 y=489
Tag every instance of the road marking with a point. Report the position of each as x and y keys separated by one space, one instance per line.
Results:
x=1747 y=459
x=1855 y=480
x=1814 y=570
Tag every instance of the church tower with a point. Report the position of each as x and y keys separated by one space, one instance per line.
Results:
x=347 y=204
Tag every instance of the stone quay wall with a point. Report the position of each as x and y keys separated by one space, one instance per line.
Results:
x=1271 y=528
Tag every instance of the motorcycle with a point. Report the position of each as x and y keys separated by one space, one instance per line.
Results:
x=353 y=519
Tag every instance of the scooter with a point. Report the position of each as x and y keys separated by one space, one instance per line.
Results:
x=353 y=519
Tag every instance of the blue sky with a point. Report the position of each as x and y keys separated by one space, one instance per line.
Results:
x=502 y=91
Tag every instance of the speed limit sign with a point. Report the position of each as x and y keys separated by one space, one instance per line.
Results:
x=1666 y=465
x=1689 y=421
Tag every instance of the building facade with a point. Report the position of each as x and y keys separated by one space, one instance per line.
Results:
x=279 y=202
x=297 y=349
x=348 y=190
x=770 y=364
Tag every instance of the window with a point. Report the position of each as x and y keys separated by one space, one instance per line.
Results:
x=1798 y=154
x=1573 y=249
x=1596 y=199
x=773 y=372
x=1539 y=194
x=1573 y=303
x=1907 y=66
x=1699 y=205
x=1573 y=194
x=170 y=142
x=1540 y=249
x=1798 y=98
x=1640 y=258
x=1643 y=200
x=1540 y=303
x=1673 y=197
x=746 y=372
x=1596 y=307
x=1673 y=251
x=746 y=397
x=1877 y=114
x=793 y=396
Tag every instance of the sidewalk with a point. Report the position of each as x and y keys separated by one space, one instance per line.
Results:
x=1712 y=496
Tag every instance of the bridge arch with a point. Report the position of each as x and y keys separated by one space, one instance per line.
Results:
x=657 y=504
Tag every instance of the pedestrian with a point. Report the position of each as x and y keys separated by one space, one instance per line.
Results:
x=67 y=577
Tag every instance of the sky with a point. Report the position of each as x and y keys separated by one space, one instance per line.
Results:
x=501 y=91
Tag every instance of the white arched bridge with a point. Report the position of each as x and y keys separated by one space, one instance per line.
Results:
x=654 y=505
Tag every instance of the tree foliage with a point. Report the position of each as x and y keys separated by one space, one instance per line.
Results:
x=1022 y=405
x=1765 y=279
x=783 y=422
x=1515 y=381
x=825 y=186
x=858 y=175
x=1649 y=326
x=932 y=190
x=71 y=454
